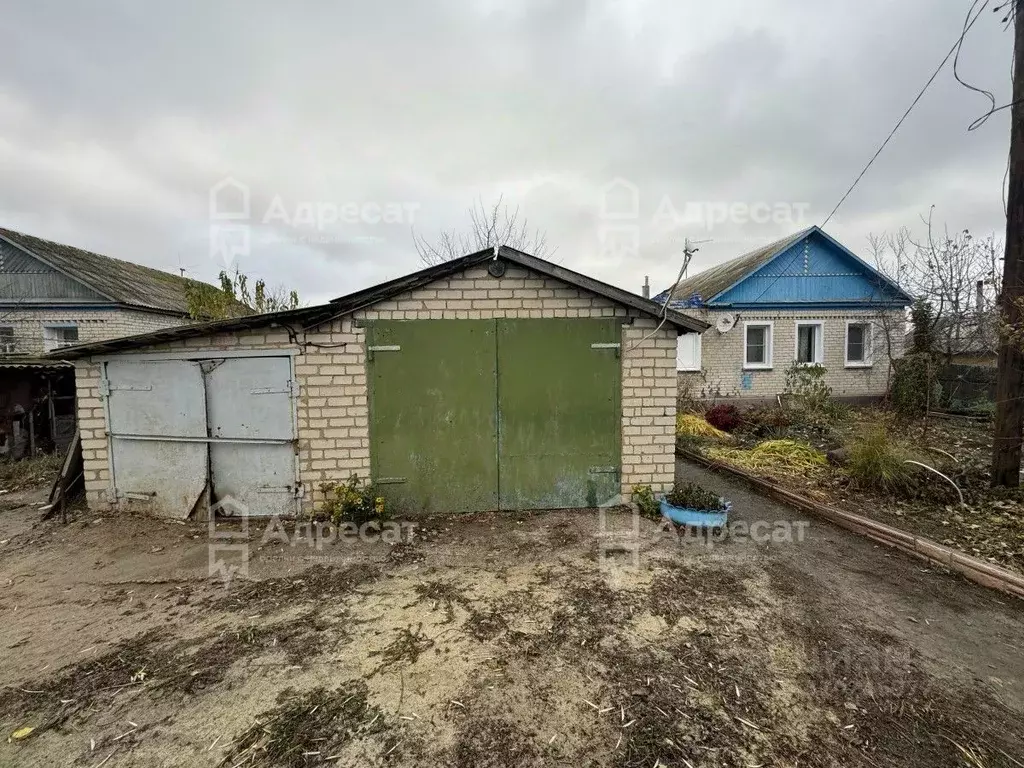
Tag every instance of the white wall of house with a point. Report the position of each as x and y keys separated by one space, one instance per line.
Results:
x=33 y=331
x=726 y=368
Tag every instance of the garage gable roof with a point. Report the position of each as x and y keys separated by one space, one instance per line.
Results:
x=388 y=290
x=307 y=317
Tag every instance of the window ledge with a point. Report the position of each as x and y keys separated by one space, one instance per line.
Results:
x=859 y=365
x=757 y=367
x=688 y=370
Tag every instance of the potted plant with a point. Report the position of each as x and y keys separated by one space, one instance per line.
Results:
x=692 y=505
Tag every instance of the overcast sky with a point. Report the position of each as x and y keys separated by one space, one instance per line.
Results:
x=117 y=118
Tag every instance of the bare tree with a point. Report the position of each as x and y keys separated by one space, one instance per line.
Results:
x=488 y=227
x=957 y=273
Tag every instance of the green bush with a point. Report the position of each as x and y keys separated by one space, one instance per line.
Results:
x=877 y=462
x=693 y=496
x=355 y=501
x=645 y=501
x=914 y=386
x=809 y=397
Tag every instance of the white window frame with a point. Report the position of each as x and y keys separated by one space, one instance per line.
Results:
x=869 y=345
x=8 y=344
x=700 y=351
x=769 y=343
x=50 y=344
x=819 y=341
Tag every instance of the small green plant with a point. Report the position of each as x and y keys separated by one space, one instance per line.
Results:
x=879 y=463
x=355 y=501
x=809 y=395
x=693 y=496
x=645 y=501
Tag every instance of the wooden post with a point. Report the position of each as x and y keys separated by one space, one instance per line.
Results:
x=1009 y=418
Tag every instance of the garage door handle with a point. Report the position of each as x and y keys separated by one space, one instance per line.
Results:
x=603 y=470
x=389 y=480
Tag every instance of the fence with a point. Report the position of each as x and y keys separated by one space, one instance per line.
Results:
x=967 y=386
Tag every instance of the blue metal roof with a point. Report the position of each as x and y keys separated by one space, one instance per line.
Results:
x=807 y=269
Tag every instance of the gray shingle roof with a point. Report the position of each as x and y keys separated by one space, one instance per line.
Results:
x=121 y=281
x=713 y=281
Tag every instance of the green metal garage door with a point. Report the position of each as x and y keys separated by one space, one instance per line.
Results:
x=558 y=412
x=433 y=426
x=471 y=415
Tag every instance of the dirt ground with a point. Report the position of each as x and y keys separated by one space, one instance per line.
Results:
x=500 y=640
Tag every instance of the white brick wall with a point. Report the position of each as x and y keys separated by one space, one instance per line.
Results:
x=722 y=355
x=93 y=324
x=333 y=415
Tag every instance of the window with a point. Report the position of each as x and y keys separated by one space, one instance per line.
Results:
x=688 y=352
x=810 y=347
x=858 y=344
x=7 y=344
x=57 y=336
x=757 y=343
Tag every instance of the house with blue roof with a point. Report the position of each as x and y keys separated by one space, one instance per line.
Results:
x=803 y=300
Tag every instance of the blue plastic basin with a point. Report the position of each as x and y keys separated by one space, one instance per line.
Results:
x=697 y=518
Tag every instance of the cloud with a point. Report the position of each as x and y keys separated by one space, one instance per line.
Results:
x=117 y=122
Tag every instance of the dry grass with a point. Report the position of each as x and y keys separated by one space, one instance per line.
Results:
x=781 y=456
x=39 y=470
x=691 y=425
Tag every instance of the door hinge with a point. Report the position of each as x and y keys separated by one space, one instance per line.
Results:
x=373 y=349
x=106 y=387
x=271 y=390
x=389 y=480
x=605 y=345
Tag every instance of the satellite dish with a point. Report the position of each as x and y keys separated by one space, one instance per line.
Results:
x=725 y=323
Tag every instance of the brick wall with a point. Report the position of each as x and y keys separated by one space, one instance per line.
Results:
x=93 y=324
x=333 y=415
x=722 y=355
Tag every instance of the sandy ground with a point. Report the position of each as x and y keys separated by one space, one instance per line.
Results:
x=501 y=640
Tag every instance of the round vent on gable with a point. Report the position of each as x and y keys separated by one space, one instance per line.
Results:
x=496 y=268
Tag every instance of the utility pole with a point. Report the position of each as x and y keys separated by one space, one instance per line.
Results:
x=1009 y=418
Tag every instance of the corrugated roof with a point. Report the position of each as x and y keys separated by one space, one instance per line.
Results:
x=714 y=280
x=121 y=281
x=312 y=316
x=31 y=362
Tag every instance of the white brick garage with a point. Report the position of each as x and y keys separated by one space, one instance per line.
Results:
x=328 y=347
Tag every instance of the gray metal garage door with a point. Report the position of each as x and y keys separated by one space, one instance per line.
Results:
x=189 y=433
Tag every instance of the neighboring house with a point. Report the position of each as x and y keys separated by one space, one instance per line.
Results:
x=804 y=299
x=495 y=381
x=53 y=296
x=972 y=339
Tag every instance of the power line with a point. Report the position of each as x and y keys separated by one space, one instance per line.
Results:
x=954 y=49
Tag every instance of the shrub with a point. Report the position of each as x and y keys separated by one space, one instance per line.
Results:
x=914 y=386
x=693 y=496
x=809 y=395
x=645 y=501
x=877 y=462
x=723 y=416
x=354 y=501
x=766 y=422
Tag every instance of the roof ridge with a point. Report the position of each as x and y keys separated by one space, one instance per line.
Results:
x=119 y=280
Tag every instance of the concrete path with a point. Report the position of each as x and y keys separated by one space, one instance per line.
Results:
x=960 y=629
